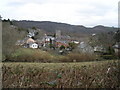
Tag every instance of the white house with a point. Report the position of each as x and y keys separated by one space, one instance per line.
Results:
x=48 y=38
x=93 y=34
x=76 y=42
x=99 y=49
x=33 y=45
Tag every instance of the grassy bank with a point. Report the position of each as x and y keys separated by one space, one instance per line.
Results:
x=101 y=74
x=37 y=55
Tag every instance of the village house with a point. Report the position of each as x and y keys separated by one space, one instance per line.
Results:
x=57 y=41
x=99 y=49
x=27 y=43
x=47 y=40
x=61 y=43
x=39 y=43
x=31 y=43
x=76 y=42
x=34 y=45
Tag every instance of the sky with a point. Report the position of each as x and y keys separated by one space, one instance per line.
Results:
x=76 y=12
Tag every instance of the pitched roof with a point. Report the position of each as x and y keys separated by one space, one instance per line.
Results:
x=30 y=40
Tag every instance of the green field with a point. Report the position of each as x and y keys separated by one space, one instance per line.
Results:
x=97 y=74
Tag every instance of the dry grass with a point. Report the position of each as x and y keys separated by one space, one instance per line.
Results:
x=61 y=75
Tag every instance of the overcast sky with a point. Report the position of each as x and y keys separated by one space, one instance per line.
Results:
x=77 y=12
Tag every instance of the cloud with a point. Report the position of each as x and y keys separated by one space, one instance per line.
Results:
x=77 y=12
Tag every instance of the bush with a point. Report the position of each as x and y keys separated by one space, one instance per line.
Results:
x=31 y=55
x=78 y=57
x=37 y=55
x=62 y=58
x=62 y=47
x=108 y=56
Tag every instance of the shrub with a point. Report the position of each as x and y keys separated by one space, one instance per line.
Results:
x=37 y=55
x=78 y=57
x=108 y=56
x=31 y=55
x=62 y=47
x=62 y=58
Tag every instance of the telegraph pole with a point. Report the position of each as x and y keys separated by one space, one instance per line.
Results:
x=0 y=52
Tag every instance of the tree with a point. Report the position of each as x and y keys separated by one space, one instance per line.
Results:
x=34 y=28
x=104 y=39
x=54 y=35
x=9 y=37
x=52 y=45
x=72 y=45
x=62 y=47
x=117 y=36
x=110 y=51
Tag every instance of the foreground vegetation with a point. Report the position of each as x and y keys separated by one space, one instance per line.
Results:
x=100 y=74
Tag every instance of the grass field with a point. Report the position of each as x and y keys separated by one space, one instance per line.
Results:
x=97 y=74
